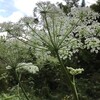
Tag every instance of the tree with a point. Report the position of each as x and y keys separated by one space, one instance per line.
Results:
x=69 y=4
x=83 y=3
x=96 y=6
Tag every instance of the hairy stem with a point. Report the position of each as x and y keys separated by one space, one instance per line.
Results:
x=70 y=84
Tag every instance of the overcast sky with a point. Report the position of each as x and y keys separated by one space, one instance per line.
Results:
x=13 y=10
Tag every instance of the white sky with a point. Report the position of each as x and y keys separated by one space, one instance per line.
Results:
x=24 y=7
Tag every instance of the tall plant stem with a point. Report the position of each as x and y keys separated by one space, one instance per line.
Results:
x=70 y=84
x=75 y=86
x=21 y=86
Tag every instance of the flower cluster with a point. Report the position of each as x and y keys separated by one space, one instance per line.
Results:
x=71 y=46
x=70 y=33
x=27 y=67
x=93 y=44
x=73 y=71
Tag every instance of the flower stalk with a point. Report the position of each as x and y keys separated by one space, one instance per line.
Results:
x=71 y=84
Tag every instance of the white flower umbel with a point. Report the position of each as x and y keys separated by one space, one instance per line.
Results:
x=76 y=71
x=93 y=44
x=27 y=67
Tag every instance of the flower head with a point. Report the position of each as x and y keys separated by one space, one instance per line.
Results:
x=27 y=67
x=76 y=71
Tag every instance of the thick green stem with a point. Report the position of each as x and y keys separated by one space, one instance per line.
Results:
x=70 y=84
x=21 y=87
